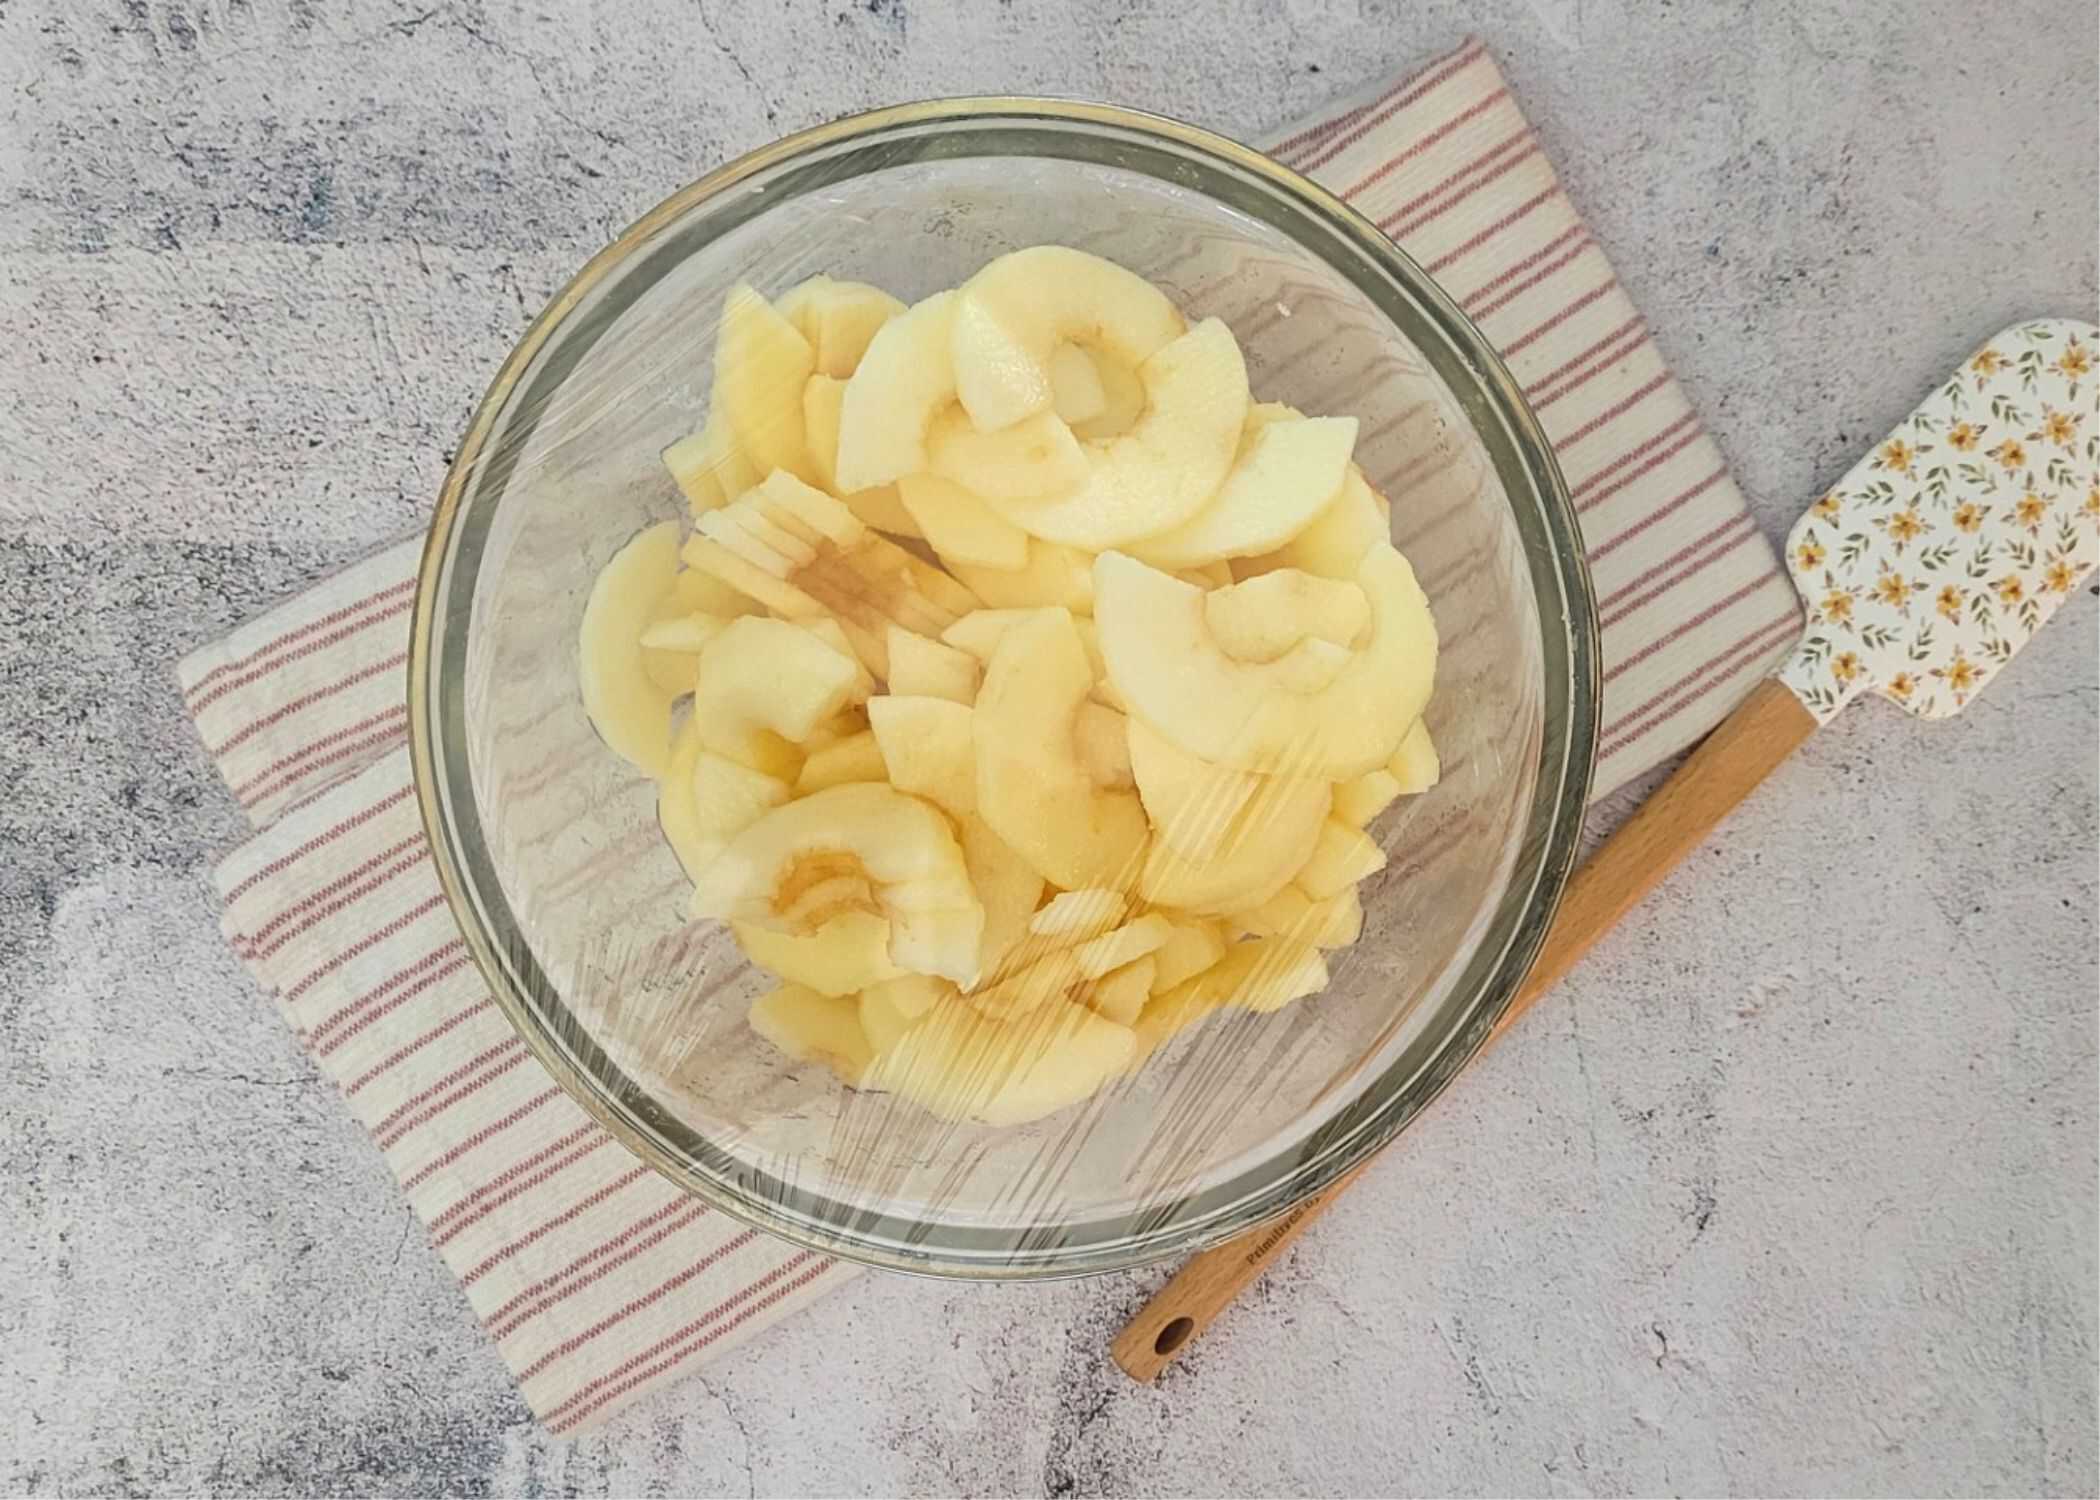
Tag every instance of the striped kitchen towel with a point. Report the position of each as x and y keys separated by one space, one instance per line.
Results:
x=597 y=1280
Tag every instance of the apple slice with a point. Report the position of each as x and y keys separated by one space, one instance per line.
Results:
x=761 y=364
x=880 y=507
x=1078 y=914
x=1285 y=474
x=1362 y=798
x=1007 y=886
x=1193 y=946
x=1335 y=543
x=1122 y=400
x=758 y=673
x=1166 y=467
x=1120 y=994
x=1335 y=922
x=839 y=318
x=960 y=1065
x=1264 y=845
x=1262 y=975
x=921 y=668
x=1173 y=674
x=904 y=380
x=1261 y=619
x=844 y=955
x=980 y=632
x=927 y=746
x=703 y=593
x=1415 y=765
x=1011 y=317
x=857 y=757
x=959 y=526
x=1031 y=787
x=1341 y=856
x=1053 y=576
x=1076 y=392
x=810 y=1027
x=868 y=848
x=630 y=712
x=1036 y=456
x=887 y=1010
x=1190 y=802
x=1101 y=739
x=1125 y=945
x=708 y=466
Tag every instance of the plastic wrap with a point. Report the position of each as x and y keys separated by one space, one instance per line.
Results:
x=1051 y=1104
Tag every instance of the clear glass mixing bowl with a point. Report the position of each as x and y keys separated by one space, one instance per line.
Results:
x=573 y=904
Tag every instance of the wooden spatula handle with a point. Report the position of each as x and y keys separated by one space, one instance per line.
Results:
x=1726 y=767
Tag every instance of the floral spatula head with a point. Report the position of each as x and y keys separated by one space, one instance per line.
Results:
x=1936 y=558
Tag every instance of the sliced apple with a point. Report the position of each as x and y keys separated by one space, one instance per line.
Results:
x=922 y=668
x=1190 y=802
x=758 y=673
x=958 y=1064
x=1120 y=994
x=1124 y=945
x=630 y=712
x=929 y=750
x=1166 y=467
x=1193 y=946
x=1261 y=975
x=1335 y=922
x=857 y=757
x=1362 y=798
x=980 y=632
x=1174 y=675
x=904 y=380
x=723 y=798
x=1011 y=317
x=1340 y=857
x=702 y=593
x=1077 y=914
x=1053 y=577
x=683 y=634
x=1335 y=543
x=1261 y=619
x=1036 y=456
x=1031 y=786
x=812 y=1027
x=676 y=811
x=880 y=506
x=1076 y=393
x=761 y=365
x=887 y=1010
x=839 y=318
x=1285 y=474
x=960 y=526
x=1264 y=844
x=1007 y=886
x=1122 y=400
x=708 y=467
x=844 y=955
x=868 y=848
x=1101 y=738
x=1415 y=765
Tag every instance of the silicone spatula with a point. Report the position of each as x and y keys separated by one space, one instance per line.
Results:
x=1924 y=571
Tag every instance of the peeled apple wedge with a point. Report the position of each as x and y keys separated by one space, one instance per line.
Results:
x=1285 y=474
x=1120 y=995
x=1011 y=317
x=1335 y=543
x=857 y=757
x=1031 y=787
x=1052 y=576
x=1415 y=765
x=811 y=1027
x=1261 y=975
x=1125 y=945
x=766 y=674
x=904 y=380
x=1076 y=393
x=888 y=1009
x=980 y=632
x=1335 y=922
x=1269 y=839
x=1168 y=465
x=1073 y=915
x=1191 y=803
x=919 y=667
x=959 y=526
x=960 y=1065
x=1173 y=674
x=845 y=955
x=1341 y=856
x=927 y=746
x=858 y=847
x=1261 y=619
x=631 y=713
x=1193 y=946
x=761 y=365
x=1122 y=400
x=1101 y=737
x=880 y=507
x=1036 y=456
x=1362 y=798
x=1006 y=885
x=839 y=318
x=708 y=466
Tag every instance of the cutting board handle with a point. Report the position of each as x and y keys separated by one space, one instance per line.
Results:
x=1768 y=726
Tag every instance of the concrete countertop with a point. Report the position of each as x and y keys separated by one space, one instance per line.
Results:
x=1790 y=1188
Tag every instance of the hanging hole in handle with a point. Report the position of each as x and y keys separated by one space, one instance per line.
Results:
x=1174 y=1335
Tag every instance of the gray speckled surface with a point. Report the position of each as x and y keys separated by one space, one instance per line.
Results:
x=1790 y=1188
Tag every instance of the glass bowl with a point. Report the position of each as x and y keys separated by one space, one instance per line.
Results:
x=573 y=904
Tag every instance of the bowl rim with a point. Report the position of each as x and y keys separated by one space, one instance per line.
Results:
x=1554 y=823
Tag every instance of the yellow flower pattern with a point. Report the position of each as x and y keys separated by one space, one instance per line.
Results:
x=1982 y=510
